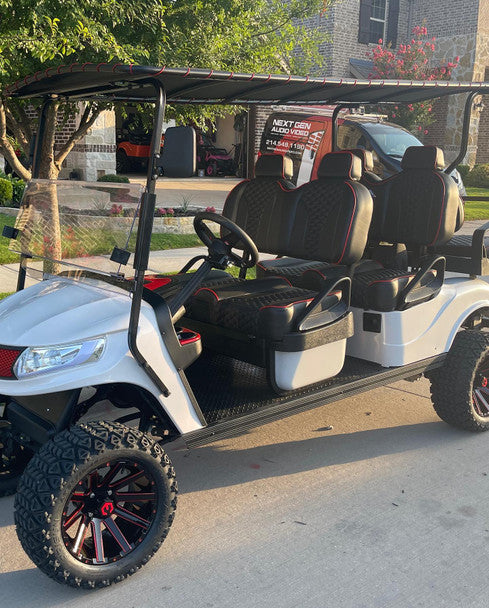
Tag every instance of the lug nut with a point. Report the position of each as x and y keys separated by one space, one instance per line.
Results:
x=92 y=495
x=109 y=493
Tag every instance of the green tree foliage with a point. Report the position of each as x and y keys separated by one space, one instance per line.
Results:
x=410 y=61
x=254 y=35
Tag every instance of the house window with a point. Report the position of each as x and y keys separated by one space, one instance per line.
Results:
x=377 y=20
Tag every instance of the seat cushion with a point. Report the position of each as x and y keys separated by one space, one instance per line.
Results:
x=167 y=286
x=307 y=274
x=460 y=245
x=289 y=268
x=379 y=289
x=264 y=308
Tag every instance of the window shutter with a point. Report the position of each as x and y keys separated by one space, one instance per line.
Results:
x=392 y=22
x=364 y=26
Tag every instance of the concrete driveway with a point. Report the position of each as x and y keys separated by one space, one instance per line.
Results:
x=389 y=508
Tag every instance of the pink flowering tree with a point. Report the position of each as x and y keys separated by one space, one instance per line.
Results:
x=411 y=61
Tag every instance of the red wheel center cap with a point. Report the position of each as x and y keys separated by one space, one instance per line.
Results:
x=484 y=382
x=107 y=509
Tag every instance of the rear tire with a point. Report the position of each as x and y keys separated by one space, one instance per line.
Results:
x=460 y=388
x=122 y=162
x=13 y=460
x=87 y=531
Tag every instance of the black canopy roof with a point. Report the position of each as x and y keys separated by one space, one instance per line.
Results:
x=191 y=85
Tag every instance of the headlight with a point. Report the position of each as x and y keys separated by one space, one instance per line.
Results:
x=38 y=360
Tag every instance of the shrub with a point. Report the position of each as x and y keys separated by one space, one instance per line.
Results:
x=463 y=170
x=110 y=177
x=478 y=177
x=6 y=192
x=116 y=211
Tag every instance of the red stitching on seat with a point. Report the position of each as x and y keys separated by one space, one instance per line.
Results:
x=279 y=276
x=314 y=270
x=207 y=289
x=351 y=219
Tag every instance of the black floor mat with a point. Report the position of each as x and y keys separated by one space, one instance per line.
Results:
x=227 y=388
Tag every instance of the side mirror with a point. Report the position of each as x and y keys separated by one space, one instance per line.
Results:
x=179 y=156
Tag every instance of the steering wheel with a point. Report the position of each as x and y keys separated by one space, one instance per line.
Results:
x=220 y=248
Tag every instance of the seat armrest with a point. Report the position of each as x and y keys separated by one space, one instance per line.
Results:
x=315 y=316
x=478 y=249
x=415 y=292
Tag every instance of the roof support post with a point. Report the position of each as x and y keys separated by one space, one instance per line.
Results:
x=143 y=239
x=36 y=167
x=465 y=132
x=334 y=127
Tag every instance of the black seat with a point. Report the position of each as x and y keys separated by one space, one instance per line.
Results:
x=338 y=176
x=272 y=174
x=418 y=208
x=325 y=220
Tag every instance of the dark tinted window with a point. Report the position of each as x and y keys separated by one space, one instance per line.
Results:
x=391 y=140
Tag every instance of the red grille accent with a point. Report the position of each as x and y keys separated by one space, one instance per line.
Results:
x=8 y=357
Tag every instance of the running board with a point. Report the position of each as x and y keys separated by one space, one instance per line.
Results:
x=372 y=376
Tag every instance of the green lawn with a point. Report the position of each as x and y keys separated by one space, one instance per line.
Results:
x=104 y=246
x=477 y=210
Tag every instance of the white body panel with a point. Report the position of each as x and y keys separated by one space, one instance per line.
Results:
x=295 y=370
x=422 y=331
x=61 y=311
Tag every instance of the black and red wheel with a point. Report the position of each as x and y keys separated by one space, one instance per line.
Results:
x=460 y=388
x=95 y=504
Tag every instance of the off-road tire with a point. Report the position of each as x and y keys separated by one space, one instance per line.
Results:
x=122 y=162
x=452 y=384
x=49 y=481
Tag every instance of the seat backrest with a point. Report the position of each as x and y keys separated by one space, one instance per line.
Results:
x=252 y=204
x=326 y=219
x=419 y=205
x=332 y=213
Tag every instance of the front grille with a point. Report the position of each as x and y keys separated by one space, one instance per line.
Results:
x=8 y=356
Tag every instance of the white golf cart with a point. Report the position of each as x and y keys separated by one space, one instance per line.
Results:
x=357 y=298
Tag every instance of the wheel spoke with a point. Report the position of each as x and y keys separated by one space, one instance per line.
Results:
x=482 y=401
x=134 y=496
x=125 y=480
x=106 y=480
x=80 y=537
x=93 y=481
x=114 y=529
x=132 y=517
x=73 y=517
x=98 y=542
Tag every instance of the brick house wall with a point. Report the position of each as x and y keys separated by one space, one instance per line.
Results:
x=461 y=29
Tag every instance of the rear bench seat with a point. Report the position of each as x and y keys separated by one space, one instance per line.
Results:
x=298 y=334
x=306 y=273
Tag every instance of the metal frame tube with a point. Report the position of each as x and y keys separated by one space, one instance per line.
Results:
x=465 y=132
x=334 y=127
x=143 y=239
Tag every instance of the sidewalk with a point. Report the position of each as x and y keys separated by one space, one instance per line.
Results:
x=169 y=260
x=200 y=191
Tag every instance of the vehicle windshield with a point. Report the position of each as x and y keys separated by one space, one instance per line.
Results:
x=392 y=140
x=70 y=228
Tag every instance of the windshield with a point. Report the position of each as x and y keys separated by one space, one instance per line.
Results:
x=392 y=140
x=71 y=228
